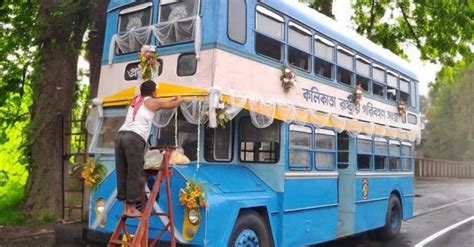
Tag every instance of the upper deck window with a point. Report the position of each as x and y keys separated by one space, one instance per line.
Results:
x=392 y=86
x=324 y=60
x=378 y=76
x=299 y=40
x=362 y=66
x=404 y=89
x=345 y=61
x=345 y=58
x=133 y=18
x=270 y=33
x=413 y=94
x=259 y=145
x=174 y=10
x=237 y=20
x=176 y=21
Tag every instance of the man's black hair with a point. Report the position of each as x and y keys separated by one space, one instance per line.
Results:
x=147 y=88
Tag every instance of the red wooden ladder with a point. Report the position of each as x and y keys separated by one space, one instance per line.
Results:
x=141 y=235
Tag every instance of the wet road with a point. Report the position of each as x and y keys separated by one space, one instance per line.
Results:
x=439 y=203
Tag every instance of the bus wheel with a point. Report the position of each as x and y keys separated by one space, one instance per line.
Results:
x=250 y=230
x=393 y=220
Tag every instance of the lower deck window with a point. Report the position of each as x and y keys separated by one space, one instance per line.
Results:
x=344 y=76
x=394 y=163
x=268 y=47
x=259 y=145
x=323 y=68
x=187 y=137
x=298 y=58
x=108 y=131
x=343 y=150
x=218 y=144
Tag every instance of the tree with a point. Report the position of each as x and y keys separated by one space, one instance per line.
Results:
x=441 y=29
x=39 y=46
x=450 y=127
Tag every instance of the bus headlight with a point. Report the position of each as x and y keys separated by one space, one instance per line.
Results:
x=99 y=206
x=194 y=216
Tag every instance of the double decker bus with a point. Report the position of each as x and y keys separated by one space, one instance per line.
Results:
x=330 y=157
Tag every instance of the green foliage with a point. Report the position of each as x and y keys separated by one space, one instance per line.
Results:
x=12 y=216
x=449 y=133
x=441 y=29
x=47 y=217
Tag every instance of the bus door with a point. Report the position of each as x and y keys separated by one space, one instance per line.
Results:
x=346 y=184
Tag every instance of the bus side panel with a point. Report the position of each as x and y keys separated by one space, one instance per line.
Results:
x=310 y=211
x=371 y=212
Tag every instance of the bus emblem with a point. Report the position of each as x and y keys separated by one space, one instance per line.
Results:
x=365 y=188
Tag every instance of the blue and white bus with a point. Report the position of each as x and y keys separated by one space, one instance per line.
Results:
x=290 y=168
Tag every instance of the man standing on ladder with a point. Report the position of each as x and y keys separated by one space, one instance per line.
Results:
x=131 y=141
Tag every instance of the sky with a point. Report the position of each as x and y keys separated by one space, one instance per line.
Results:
x=343 y=12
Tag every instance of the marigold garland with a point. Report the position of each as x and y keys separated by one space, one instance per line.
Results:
x=287 y=78
x=93 y=173
x=148 y=62
x=192 y=196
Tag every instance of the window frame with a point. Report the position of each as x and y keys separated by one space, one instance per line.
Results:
x=385 y=156
x=409 y=157
x=371 y=154
x=390 y=155
x=277 y=150
x=307 y=31
x=277 y=17
x=347 y=52
x=315 y=56
x=136 y=8
x=246 y=23
x=93 y=147
x=231 y=146
x=177 y=64
x=334 y=151
x=310 y=150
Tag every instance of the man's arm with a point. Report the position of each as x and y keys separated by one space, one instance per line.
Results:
x=154 y=104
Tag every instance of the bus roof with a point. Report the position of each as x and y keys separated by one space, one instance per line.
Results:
x=348 y=37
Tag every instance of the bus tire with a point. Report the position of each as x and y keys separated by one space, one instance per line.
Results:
x=250 y=230
x=393 y=220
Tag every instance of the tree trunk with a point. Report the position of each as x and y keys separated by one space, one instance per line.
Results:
x=61 y=27
x=98 y=15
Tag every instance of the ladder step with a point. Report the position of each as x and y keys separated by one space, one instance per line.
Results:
x=120 y=242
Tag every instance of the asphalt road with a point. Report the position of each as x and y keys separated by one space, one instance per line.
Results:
x=439 y=203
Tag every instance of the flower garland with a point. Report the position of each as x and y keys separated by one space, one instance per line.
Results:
x=192 y=196
x=402 y=109
x=93 y=173
x=148 y=62
x=357 y=94
x=287 y=78
x=222 y=114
